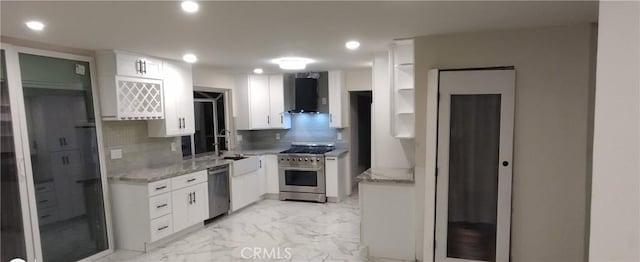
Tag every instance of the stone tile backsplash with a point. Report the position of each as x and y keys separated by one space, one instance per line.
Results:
x=305 y=127
x=138 y=149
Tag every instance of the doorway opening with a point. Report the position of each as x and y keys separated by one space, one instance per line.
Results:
x=360 y=102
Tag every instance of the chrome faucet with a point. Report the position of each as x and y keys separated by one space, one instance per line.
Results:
x=223 y=133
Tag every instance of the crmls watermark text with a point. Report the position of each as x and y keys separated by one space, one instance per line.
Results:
x=265 y=253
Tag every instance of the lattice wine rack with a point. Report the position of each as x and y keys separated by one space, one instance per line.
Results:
x=139 y=98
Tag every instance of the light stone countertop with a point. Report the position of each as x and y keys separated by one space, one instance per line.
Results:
x=147 y=175
x=387 y=175
x=257 y=152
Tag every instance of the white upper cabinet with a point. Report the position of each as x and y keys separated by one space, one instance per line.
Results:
x=130 y=86
x=129 y=64
x=178 y=102
x=261 y=103
x=338 y=117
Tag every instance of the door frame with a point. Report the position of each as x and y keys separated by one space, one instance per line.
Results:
x=505 y=173
x=18 y=97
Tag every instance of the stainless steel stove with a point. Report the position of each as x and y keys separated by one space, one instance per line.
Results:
x=302 y=172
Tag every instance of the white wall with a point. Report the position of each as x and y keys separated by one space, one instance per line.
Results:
x=615 y=202
x=550 y=197
x=358 y=79
x=387 y=151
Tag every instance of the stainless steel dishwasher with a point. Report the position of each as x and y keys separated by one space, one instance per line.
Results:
x=218 y=190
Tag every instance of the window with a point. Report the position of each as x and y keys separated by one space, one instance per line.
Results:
x=210 y=125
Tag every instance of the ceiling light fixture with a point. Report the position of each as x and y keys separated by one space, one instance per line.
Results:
x=190 y=6
x=352 y=45
x=292 y=63
x=258 y=71
x=190 y=58
x=35 y=25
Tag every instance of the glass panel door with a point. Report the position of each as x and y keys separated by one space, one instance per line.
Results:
x=12 y=233
x=473 y=176
x=475 y=147
x=63 y=142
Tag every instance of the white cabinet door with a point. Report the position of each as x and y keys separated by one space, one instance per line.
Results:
x=332 y=176
x=270 y=165
x=178 y=102
x=259 y=101
x=181 y=200
x=337 y=100
x=199 y=208
x=262 y=178
x=129 y=64
x=278 y=117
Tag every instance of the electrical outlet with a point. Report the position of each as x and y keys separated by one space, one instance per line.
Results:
x=116 y=153
x=277 y=136
x=173 y=147
x=324 y=100
x=339 y=135
x=239 y=138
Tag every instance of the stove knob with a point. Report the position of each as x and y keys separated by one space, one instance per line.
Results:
x=318 y=159
x=306 y=159
x=299 y=159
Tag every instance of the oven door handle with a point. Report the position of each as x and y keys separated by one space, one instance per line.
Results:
x=289 y=168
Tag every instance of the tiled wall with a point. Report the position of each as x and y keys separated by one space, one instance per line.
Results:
x=138 y=149
x=306 y=127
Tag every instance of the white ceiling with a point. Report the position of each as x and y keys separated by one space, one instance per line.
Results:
x=243 y=35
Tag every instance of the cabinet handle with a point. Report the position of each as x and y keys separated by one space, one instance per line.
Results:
x=184 y=123
x=268 y=120
x=330 y=118
x=62 y=159
x=45 y=216
x=139 y=66
x=194 y=197
x=191 y=180
x=161 y=206
x=144 y=67
x=163 y=228
x=64 y=141
x=43 y=201
x=179 y=123
x=60 y=141
x=281 y=118
x=160 y=188
x=190 y=200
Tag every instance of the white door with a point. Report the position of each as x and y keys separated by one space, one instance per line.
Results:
x=475 y=148
x=276 y=101
x=259 y=101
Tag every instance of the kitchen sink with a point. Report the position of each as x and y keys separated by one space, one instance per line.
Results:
x=234 y=158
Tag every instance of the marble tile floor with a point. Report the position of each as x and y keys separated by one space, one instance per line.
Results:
x=308 y=231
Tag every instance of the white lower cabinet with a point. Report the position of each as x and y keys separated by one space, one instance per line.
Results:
x=336 y=176
x=147 y=212
x=190 y=206
x=270 y=165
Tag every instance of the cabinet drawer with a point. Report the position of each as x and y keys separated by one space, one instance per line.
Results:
x=161 y=227
x=46 y=199
x=44 y=187
x=48 y=215
x=159 y=187
x=159 y=205
x=189 y=179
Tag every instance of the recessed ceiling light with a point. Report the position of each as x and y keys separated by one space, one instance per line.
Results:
x=190 y=58
x=258 y=71
x=292 y=63
x=35 y=25
x=352 y=45
x=190 y=6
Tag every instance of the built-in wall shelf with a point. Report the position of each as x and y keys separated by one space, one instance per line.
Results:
x=402 y=86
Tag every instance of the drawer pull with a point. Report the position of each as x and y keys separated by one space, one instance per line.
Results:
x=45 y=216
x=160 y=188
x=163 y=228
x=43 y=201
x=161 y=206
x=191 y=180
